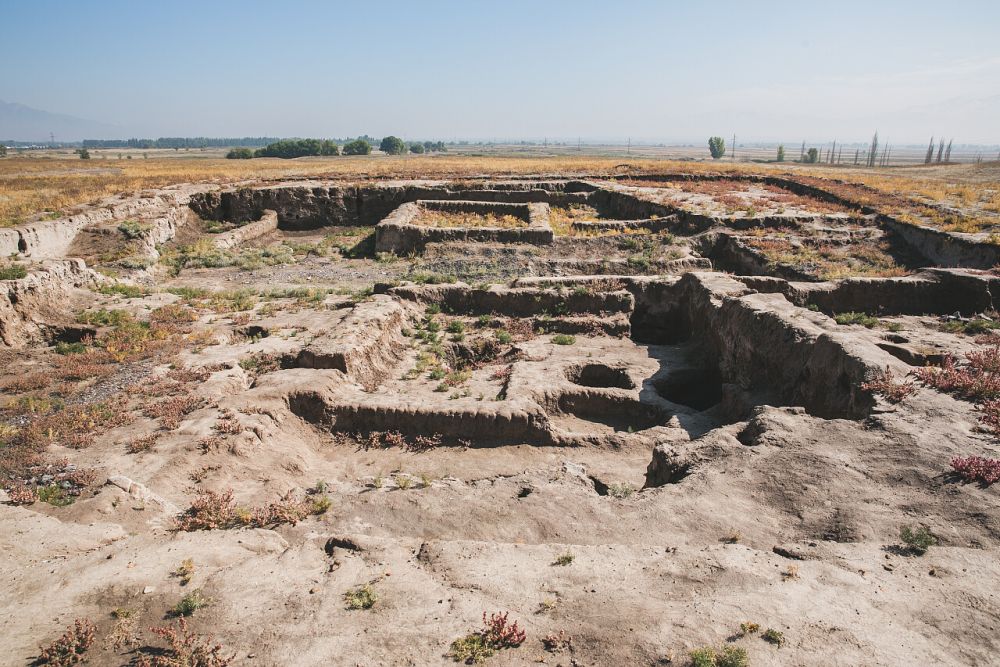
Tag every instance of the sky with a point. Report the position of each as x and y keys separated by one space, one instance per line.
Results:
x=654 y=71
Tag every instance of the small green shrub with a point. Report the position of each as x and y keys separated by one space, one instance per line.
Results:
x=12 y=272
x=729 y=656
x=125 y=290
x=456 y=327
x=620 y=490
x=70 y=348
x=362 y=597
x=564 y=559
x=133 y=229
x=918 y=540
x=189 y=604
x=504 y=337
x=773 y=636
x=563 y=339
x=471 y=649
x=863 y=319
x=239 y=154
x=55 y=495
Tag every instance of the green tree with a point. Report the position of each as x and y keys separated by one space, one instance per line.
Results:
x=83 y=153
x=3 y=150
x=416 y=147
x=812 y=156
x=357 y=147
x=392 y=145
x=239 y=154
x=781 y=152
x=717 y=146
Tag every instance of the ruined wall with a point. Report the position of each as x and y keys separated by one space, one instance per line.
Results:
x=931 y=292
x=309 y=207
x=38 y=302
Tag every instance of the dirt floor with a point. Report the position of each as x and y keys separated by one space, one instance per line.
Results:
x=641 y=444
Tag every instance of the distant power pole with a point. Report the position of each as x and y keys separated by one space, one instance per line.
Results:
x=734 y=147
x=579 y=143
x=52 y=138
x=629 y=151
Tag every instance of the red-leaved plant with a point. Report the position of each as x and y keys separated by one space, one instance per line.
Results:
x=977 y=469
x=498 y=633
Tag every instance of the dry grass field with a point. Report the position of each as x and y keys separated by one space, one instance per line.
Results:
x=49 y=184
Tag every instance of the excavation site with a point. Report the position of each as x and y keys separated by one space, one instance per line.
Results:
x=593 y=417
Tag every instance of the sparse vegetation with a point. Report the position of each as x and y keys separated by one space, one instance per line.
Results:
x=362 y=597
x=496 y=634
x=189 y=604
x=727 y=656
x=773 y=636
x=917 y=539
x=71 y=647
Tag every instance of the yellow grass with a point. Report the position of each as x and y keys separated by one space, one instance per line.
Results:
x=457 y=219
x=36 y=184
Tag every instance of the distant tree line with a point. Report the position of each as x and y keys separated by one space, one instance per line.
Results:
x=179 y=142
x=293 y=148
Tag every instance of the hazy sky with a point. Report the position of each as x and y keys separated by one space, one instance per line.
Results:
x=665 y=71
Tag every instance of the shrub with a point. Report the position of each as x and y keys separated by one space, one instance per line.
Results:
x=977 y=469
x=557 y=643
x=496 y=634
x=975 y=380
x=563 y=339
x=189 y=604
x=125 y=290
x=773 y=636
x=70 y=348
x=239 y=154
x=886 y=386
x=620 y=490
x=918 y=540
x=717 y=147
x=186 y=649
x=70 y=648
x=781 y=153
x=12 y=272
x=564 y=559
x=362 y=597
x=729 y=656
x=392 y=145
x=863 y=319
x=357 y=147
x=416 y=147
x=133 y=229
x=812 y=156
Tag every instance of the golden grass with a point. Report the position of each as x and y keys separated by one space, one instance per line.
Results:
x=459 y=219
x=30 y=185
x=36 y=184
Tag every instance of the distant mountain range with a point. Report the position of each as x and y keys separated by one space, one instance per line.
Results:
x=22 y=123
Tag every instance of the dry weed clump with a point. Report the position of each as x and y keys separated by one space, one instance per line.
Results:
x=215 y=511
x=171 y=411
x=141 y=444
x=70 y=648
x=184 y=649
x=885 y=385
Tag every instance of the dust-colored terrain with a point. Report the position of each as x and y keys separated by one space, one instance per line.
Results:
x=337 y=418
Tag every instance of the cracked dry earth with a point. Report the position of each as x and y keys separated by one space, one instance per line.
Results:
x=642 y=463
